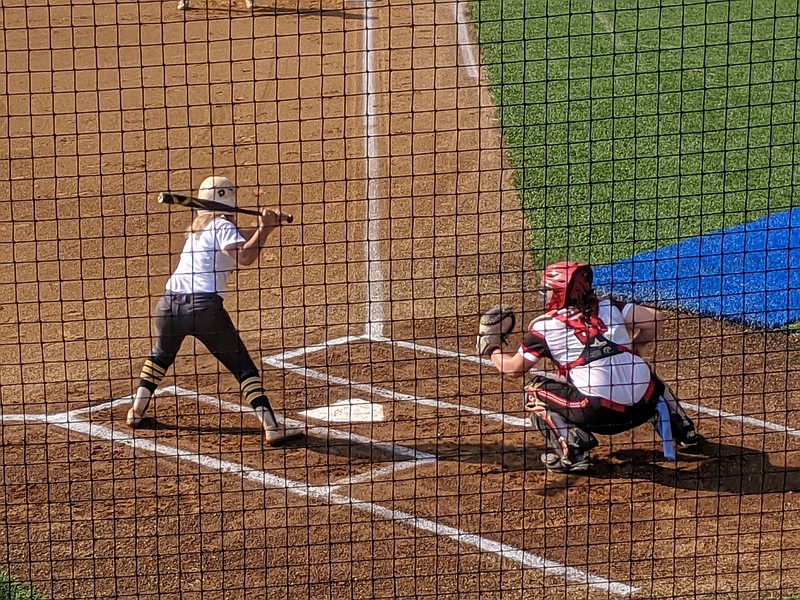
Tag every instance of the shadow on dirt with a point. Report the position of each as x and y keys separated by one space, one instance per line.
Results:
x=346 y=448
x=342 y=13
x=714 y=467
x=153 y=424
x=277 y=10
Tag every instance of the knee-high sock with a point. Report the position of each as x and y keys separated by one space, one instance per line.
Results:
x=141 y=400
x=253 y=392
x=151 y=375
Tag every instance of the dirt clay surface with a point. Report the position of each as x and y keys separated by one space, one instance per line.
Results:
x=373 y=125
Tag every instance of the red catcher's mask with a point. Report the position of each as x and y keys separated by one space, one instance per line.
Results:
x=571 y=283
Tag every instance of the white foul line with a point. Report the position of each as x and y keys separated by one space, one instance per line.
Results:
x=758 y=423
x=276 y=361
x=269 y=480
x=67 y=420
x=464 y=43
x=767 y=425
x=376 y=280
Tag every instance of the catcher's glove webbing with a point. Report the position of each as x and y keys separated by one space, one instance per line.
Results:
x=496 y=323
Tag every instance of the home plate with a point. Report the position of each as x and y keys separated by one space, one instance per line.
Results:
x=350 y=410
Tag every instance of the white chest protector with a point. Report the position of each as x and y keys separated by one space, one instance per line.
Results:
x=592 y=351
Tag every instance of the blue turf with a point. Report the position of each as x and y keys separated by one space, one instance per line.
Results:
x=749 y=273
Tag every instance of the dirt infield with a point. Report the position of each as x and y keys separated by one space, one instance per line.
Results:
x=371 y=124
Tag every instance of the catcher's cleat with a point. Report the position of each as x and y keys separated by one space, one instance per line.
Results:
x=133 y=419
x=279 y=434
x=689 y=440
x=183 y=4
x=555 y=464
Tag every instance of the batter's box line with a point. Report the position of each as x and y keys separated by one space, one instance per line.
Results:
x=328 y=495
x=414 y=457
x=280 y=362
x=71 y=421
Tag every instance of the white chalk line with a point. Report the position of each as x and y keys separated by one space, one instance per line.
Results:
x=277 y=361
x=326 y=494
x=441 y=352
x=76 y=413
x=366 y=388
x=376 y=292
x=465 y=45
x=318 y=347
x=67 y=419
x=377 y=474
x=758 y=423
x=766 y=425
x=353 y=438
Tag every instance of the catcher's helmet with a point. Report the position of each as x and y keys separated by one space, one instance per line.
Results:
x=218 y=189
x=571 y=283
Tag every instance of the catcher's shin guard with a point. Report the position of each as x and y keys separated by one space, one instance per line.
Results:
x=682 y=426
x=568 y=442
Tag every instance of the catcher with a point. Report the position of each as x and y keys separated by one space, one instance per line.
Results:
x=603 y=385
x=193 y=305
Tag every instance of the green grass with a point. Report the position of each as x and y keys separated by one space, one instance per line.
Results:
x=13 y=590
x=633 y=124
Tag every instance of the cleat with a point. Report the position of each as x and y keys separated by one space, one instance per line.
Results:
x=133 y=419
x=689 y=440
x=251 y=4
x=555 y=464
x=275 y=435
x=183 y=4
x=551 y=460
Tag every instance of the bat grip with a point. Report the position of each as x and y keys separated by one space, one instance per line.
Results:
x=288 y=218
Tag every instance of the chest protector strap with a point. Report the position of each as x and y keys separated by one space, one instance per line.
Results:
x=595 y=346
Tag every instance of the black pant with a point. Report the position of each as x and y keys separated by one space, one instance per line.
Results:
x=592 y=413
x=204 y=317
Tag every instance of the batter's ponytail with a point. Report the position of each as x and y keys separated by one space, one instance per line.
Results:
x=201 y=221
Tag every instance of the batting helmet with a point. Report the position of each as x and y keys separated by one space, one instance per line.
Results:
x=218 y=189
x=571 y=283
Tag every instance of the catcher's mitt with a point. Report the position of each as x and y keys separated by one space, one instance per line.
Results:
x=496 y=323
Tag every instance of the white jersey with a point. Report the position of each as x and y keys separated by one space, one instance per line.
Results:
x=565 y=335
x=203 y=267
